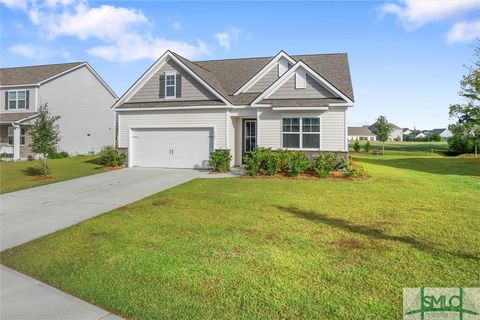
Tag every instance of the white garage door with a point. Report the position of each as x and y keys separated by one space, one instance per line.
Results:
x=171 y=147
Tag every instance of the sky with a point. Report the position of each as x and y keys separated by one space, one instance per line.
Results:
x=406 y=57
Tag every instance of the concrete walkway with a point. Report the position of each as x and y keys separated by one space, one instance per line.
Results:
x=28 y=214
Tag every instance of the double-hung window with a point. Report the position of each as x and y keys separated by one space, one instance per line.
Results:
x=170 y=85
x=301 y=133
x=17 y=99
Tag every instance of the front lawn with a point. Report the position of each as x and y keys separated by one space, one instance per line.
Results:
x=275 y=248
x=26 y=174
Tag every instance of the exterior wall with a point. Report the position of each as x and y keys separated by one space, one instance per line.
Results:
x=313 y=90
x=238 y=140
x=396 y=134
x=173 y=118
x=332 y=128
x=83 y=103
x=32 y=99
x=191 y=89
x=25 y=150
x=264 y=82
x=231 y=139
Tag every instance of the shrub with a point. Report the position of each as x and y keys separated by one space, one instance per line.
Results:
x=356 y=146
x=110 y=157
x=459 y=144
x=367 y=147
x=354 y=169
x=220 y=160
x=325 y=163
x=294 y=163
x=263 y=161
x=58 y=155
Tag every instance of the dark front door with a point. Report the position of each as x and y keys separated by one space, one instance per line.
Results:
x=249 y=136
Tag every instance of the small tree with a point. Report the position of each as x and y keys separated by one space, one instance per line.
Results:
x=356 y=146
x=45 y=135
x=383 y=130
x=367 y=147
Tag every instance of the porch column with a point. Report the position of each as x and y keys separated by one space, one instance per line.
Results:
x=16 y=142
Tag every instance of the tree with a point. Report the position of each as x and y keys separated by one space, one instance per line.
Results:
x=356 y=146
x=383 y=130
x=45 y=135
x=468 y=113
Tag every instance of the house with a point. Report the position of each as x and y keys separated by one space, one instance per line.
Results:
x=73 y=91
x=179 y=111
x=407 y=131
x=444 y=133
x=360 y=133
x=421 y=135
x=395 y=135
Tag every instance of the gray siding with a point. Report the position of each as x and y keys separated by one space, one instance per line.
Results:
x=191 y=89
x=264 y=82
x=313 y=90
x=31 y=98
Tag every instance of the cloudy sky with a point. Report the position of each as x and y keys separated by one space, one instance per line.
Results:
x=406 y=57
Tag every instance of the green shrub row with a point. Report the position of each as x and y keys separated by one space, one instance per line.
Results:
x=220 y=160
x=265 y=161
x=58 y=155
x=110 y=157
x=367 y=147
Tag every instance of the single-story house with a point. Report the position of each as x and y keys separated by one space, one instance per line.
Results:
x=179 y=110
x=73 y=91
x=361 y=133
x=444 y=133
x=395 y=135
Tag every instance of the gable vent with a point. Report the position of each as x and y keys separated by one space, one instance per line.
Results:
x=283 y=67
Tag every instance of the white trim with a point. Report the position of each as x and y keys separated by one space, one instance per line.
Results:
x=227 y=129
x=174 y=74
x=301 y=133
x=280 y=81
x=19 y=85
x=300 y=108
x=151 y=72
x=301 y=79
x=264 y=71
x=36 y=99
x=172 y=108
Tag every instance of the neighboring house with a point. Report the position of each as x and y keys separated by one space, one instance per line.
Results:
x=407 y=132
x=445 y=134
x=360 y=133
x=421 y=135
x=73 y=91
x=395 y=135
x=179 y=111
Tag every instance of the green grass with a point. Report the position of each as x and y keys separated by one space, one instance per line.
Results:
x=20 y=175
x=408 y=146
x=272 y=248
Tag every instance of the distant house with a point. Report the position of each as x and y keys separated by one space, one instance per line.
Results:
x=421 y=135
x=407 y=131
x=361 y=133
x=395 y=135
x=73 y=91
x=443 y=133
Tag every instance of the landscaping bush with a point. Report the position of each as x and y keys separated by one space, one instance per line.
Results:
x=220 y=160
x=110 y=157
x=356 y=146
x=293 y=163
x=367 y=147
x=325 y=163
x=354 y=169
x=58 y=155
x=459 y=144
x=263 y=161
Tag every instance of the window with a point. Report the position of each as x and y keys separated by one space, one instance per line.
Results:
x=301 y=133
x=10 y=136
x=170 y=85
x=17 y=99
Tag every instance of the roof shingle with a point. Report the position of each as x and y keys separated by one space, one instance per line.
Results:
x=33 y=74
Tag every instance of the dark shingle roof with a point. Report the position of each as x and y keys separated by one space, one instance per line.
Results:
x=373 y=127
x=359 y=131
x=33 y=74
x=12 y=117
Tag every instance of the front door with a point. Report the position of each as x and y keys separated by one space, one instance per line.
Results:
x=249 y=136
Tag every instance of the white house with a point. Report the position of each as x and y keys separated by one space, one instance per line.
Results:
x=444 y=133
x=179 y=111
x=73 y=91
x=361 y=133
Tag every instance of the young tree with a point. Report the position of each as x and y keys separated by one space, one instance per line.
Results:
x=383 y=130
x=45 y=135
x=468 y=113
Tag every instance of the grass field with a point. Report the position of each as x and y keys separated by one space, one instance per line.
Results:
x=266 y=249
x=20 y=175
x=404 y=146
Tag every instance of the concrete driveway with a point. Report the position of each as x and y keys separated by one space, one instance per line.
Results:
x=28 y=214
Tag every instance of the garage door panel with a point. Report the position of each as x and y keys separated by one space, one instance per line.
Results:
x=172 y=147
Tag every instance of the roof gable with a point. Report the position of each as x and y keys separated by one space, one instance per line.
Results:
x=33 y=74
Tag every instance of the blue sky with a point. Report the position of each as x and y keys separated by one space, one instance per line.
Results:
x=406 y=57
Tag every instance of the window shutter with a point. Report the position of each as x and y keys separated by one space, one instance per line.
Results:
x=27 y=99
x=178 y=82
x=6 y=100
x=162 y=87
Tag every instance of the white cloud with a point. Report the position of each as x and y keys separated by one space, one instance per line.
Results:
x=226 y=38
x=416 y=13
x=464 y=31
x=15 y=4
x=24 y=50
x=177 y=25
x=124 y=32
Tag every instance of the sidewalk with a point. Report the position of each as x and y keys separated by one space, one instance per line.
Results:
x=24 y=298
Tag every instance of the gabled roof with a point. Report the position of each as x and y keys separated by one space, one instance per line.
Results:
x=33 y=74
x=359 y=131
x=373 y=127
x=439 y=130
